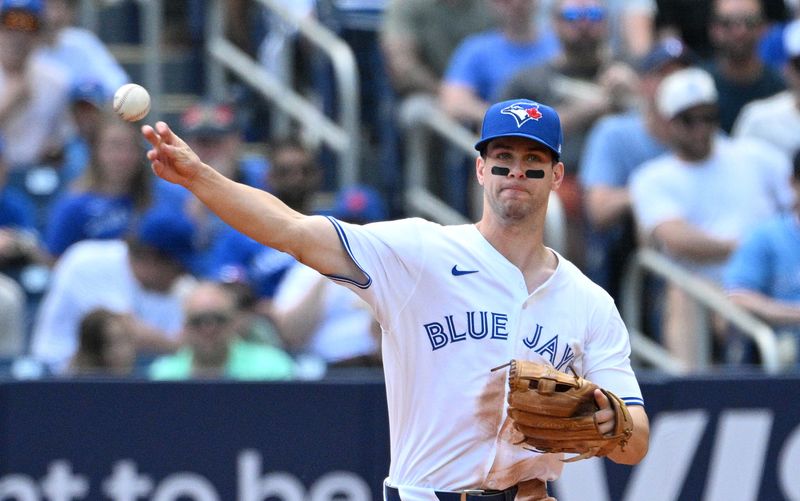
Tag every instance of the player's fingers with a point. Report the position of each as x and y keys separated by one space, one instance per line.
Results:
x=604 y=420
x=167 y=135
x=601 y=399
x=150 y=135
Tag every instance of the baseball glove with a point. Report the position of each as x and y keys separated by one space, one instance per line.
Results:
x=554 y=411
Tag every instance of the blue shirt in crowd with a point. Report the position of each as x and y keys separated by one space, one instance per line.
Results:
x=82 y=216
x=486 y=61
x=768 y=260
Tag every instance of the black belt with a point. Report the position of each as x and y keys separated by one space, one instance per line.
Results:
x=392 y=494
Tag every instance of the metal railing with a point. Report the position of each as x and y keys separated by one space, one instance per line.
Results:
x=343 y=135
x=151 y=27
x=707 y=298
x=421 y=118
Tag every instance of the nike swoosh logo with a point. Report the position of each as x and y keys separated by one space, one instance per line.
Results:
x=457 y=273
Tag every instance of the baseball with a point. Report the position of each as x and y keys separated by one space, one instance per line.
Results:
x=132 y=102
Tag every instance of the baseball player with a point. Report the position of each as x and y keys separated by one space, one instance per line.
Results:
x=453 y=303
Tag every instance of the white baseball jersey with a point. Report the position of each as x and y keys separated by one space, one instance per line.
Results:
x=451 y=308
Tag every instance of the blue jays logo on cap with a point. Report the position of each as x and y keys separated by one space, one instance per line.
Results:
x=523 y=112
x=522 y=118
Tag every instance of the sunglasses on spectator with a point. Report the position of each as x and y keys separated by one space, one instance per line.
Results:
x=209 y=319
x=750 y=22
x=575 y=14
x=693 y=119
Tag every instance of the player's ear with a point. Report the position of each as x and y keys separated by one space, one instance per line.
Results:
x=558 y=175
x=480 y=166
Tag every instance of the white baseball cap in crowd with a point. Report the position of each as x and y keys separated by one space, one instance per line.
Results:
x=685 y=89
x=791 y=39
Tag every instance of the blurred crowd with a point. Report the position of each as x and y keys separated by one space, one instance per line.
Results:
x=682 y=134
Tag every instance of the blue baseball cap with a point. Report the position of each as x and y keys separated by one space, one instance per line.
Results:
x=21 y=15
x=170 y=233
x=667 y=51
x=360 y=204
x=522 y=118
x=89 y=91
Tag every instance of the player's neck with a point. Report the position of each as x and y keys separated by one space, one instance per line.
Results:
x=521 y=244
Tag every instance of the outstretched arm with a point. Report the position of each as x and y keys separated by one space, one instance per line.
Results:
x=312 y=240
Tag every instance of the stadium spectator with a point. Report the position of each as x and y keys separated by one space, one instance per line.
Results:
x=739 y=73
x=143 y=276
x=109 y=196
x=88 y=106
x=294 y=177
x=79 y=50
x=106 y=346
x=23 y=265
x=615 y=147
x=583 y=83
x=631 y=25
x=696 y=202
x=416 y=48
x=763 y=275
x=318 y=318
x=483 y=63
x=776 y=119
x=213 y=128
x=582 y=30
x=34 y=93
x=19 y=245
x=211 y=346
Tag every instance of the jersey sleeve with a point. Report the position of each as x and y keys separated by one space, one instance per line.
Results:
x=391 y=255
x=606 y=359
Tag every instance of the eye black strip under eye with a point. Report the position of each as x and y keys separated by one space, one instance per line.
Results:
x=534 y=173
x=500 y=171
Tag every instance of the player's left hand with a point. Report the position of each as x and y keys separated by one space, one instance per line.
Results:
x=605 y=417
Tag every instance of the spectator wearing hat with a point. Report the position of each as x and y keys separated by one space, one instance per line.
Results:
x=88 y=105
x=143 y=276
x=212 y=128
x=616 y=145
x=776 y=119
x=107 y=198
x=696 y=202
x=319 y=319
x=739 y=73
x=78 y=49
x=294 y=177
x=211 y=346
x=34 y=92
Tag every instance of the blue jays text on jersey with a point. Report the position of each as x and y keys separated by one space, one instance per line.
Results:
x=493 y=326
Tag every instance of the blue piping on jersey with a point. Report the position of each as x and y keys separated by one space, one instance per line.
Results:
x=633 y=401
x=346 y=245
